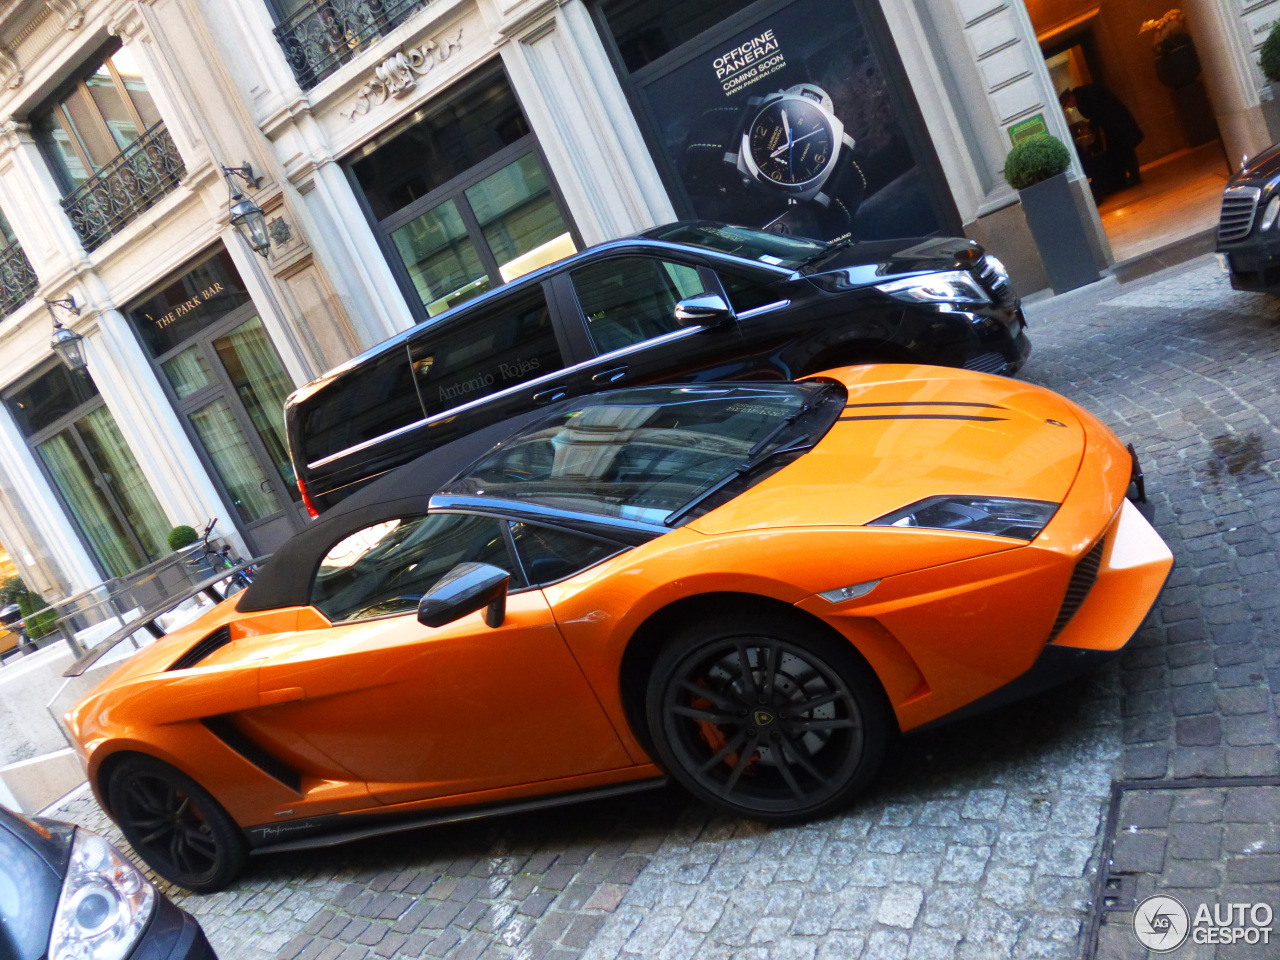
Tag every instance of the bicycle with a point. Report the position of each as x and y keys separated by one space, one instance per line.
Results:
x=221 y=559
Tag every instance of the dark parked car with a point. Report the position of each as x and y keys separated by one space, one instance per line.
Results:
x=1249 y=227
x=692 y=301
x=66 y=893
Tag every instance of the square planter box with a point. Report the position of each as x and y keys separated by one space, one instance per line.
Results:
x=1060 y=233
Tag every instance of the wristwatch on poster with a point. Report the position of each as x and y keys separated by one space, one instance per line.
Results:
x=789 y=144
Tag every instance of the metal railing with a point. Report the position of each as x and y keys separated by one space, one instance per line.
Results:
x=325 y=34
x=132 y=601
x=18 y=281
x=140 y=175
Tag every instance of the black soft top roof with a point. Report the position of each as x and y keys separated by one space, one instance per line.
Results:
x=285 y=579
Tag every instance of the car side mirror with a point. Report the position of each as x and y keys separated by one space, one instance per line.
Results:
x=466 y=588
x=704 y=310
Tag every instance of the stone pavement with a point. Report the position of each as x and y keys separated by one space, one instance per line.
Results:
x=994 y=837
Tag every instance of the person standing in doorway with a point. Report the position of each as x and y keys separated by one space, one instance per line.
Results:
x=1097 y=104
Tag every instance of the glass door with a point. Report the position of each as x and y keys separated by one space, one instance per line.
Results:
x=231 y=385
x=103 y=487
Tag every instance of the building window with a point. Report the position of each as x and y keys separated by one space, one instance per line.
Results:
x=17 y=280
x=463 y=197
x=84 y=454
x=108 y=149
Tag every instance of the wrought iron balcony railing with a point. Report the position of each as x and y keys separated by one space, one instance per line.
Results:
x=325 y=34
x=140 y=175
x=18 y=281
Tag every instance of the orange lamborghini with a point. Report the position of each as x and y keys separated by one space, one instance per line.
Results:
x=751 y=588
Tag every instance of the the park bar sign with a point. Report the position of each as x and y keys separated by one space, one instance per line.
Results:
x=182 y=309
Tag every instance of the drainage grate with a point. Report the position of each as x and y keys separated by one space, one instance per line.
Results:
x=1187 y=839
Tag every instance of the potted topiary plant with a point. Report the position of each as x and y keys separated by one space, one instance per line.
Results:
x=1269 y=61
x=1037 y=169
x=182 y=536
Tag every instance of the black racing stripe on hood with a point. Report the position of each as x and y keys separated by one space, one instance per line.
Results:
x=927 y=416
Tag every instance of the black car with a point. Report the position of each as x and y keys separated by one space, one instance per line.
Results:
x=66 y=893
x=690 y=301
x=1249 y=228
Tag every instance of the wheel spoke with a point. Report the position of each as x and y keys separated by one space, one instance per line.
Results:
x=809 y=726
x=719 y=699
x=770 y=671
x=801 y=759
x=744 y=758
x=794 y=708
x=202 y=844
x=156 y=835
x=784 y=768
x=748 y=678
x=145 y=799
x=723 y=753
x=706 y=715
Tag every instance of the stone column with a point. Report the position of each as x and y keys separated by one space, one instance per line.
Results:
x=585 y=126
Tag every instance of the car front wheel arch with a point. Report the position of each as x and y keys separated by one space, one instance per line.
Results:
x=652 y=636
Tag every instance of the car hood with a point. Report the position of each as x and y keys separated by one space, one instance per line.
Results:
x=913 y=432
x=1259 y=169
x=33 y=861
x=874 y=261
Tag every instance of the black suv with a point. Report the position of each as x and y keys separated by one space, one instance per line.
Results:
x=690 y=301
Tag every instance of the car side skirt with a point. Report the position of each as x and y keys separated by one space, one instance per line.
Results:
x=335 y=829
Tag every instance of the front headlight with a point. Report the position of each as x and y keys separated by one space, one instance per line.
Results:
x=105 y=904
x=1270 y=214
x=956 y=286
x=997 y=516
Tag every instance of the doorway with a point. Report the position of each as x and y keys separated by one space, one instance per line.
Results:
x=228 y=385
x=231 y=387
x=1132 y=65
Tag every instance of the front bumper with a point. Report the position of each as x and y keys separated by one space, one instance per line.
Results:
x=1113 y=589
x=1254 y=264
x=173 y=934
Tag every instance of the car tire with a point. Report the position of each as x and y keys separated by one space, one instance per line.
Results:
x=793 y=734
x=176 y=825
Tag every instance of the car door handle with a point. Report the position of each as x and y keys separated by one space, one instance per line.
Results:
x=551 y=395
x=610 y=376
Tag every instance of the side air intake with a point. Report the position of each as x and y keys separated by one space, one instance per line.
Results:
x=204 y=648
x=1082 y=581
x=228 y=733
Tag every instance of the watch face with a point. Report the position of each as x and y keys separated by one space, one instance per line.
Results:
x=790 y=141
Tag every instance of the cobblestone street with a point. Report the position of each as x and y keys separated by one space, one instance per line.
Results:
x=993 y=837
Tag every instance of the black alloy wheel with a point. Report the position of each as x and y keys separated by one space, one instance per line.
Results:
x=767 y=716
x=175 y=825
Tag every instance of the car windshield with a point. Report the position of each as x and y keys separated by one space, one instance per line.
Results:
x=643 y=454
x=770 y=248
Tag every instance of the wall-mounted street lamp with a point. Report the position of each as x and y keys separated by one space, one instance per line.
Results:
x=67 y=344
x=247 y=216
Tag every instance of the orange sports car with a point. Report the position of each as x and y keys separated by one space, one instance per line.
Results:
x=751 y=588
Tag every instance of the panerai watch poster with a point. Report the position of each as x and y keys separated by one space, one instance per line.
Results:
x=788 y=125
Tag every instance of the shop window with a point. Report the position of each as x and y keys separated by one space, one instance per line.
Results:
x=632 y=299
x=645 y=30
x=464 y=198
x=792 y=116
x=83 y=452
